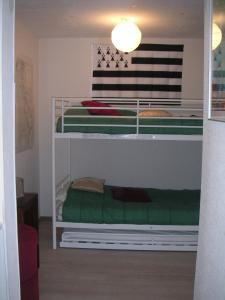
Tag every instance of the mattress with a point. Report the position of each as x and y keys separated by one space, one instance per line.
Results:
x=126 y=125
x=168 y=207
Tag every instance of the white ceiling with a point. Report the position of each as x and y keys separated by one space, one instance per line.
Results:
x=96 y=18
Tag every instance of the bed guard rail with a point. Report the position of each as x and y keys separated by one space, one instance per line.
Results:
x=70 y=109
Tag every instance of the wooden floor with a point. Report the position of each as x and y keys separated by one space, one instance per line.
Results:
x=73 y=274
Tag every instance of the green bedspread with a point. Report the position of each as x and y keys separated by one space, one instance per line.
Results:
x=85 y=119
x=168 y=207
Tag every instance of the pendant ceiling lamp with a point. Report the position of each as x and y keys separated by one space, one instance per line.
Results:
x=126 y=36
x=216 y=36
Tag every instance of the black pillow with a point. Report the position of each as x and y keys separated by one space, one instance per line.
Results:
x=127 y=194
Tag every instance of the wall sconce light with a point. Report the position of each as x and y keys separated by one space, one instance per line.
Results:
x=216 y=36
x=126 y=36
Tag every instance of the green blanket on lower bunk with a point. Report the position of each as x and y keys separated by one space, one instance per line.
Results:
x=168 y=207
x=81 y=117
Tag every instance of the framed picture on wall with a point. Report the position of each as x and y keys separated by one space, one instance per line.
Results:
x=217 y=103
x=24 y=105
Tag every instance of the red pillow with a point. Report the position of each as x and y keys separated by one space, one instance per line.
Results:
x=128 y=194
x=102 y=112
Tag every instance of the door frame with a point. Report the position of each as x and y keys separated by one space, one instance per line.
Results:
x=9 y=260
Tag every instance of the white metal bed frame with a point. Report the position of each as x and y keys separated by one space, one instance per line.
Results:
x=121 y=236
x=176 y=106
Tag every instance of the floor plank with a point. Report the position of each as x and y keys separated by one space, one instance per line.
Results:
x=78 y=274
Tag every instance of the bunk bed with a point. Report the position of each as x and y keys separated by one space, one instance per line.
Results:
x=170 y=221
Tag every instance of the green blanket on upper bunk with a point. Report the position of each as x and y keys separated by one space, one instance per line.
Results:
x=168 y=207
x=86 y=119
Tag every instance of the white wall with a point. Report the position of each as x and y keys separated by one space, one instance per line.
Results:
x=210 y=267
x=65 y=70
x=210 y=271
x=137 y=163
x=26 y=46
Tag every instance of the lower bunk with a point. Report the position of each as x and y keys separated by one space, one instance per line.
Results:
x=167 y=221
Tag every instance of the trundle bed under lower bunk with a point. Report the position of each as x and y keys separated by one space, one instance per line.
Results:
x=91 y=220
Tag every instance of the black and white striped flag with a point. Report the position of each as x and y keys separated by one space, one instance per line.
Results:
x=150 y=71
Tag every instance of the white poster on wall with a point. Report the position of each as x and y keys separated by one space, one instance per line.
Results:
x=24 y=105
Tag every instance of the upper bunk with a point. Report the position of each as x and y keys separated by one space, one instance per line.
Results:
x=137 y=119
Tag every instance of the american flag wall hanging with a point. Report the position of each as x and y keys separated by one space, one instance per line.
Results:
x=150 y=71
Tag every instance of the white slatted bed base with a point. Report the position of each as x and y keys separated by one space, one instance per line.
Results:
x=129 y=237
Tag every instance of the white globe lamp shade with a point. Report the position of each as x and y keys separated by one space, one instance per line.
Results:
x=216 y=36
x=126 y=36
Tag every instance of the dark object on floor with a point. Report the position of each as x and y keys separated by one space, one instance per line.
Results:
x=27 y=212
x=27 y=237
x=128 y=194
x=27 y=207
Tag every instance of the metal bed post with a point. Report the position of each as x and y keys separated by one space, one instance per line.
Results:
x=69 y=152
x=137 y=118
x=69 y=159
x=53 y=176
x=62 y=112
